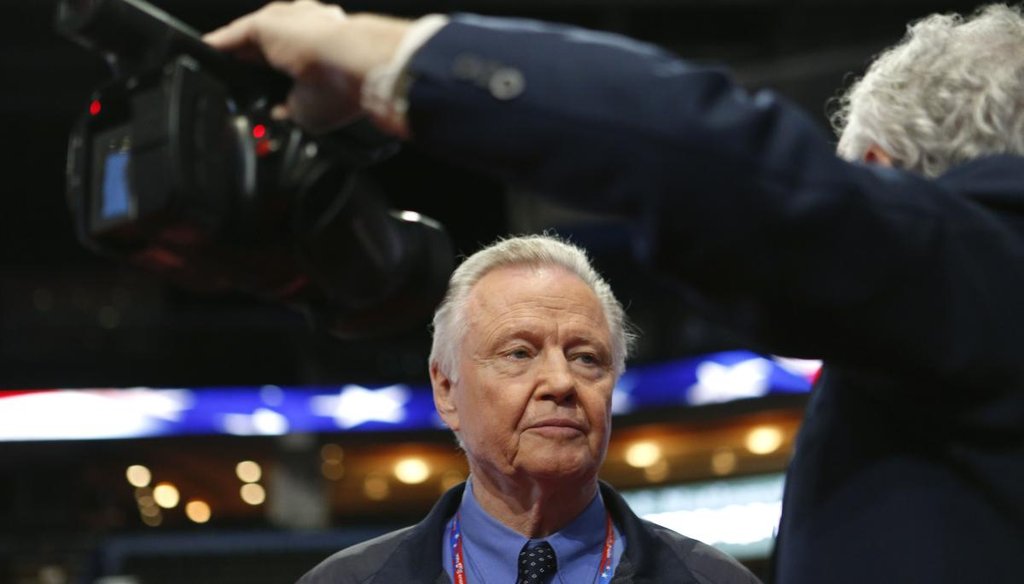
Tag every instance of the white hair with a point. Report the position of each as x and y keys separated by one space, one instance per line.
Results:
x=952 y=90
x=533 y=250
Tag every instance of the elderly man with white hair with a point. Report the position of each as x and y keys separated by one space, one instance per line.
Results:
x=528 y=344
x=899 y=263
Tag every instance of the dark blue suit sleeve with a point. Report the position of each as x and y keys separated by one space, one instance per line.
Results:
x=740 y=197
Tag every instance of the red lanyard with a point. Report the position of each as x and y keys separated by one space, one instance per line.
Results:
x=604 y=571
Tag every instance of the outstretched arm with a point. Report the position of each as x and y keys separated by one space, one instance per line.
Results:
x=738 y=195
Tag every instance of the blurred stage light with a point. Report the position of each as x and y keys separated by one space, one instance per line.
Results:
x=166 y=495
x=332 y=452
x=138 y=475
x=149 y=510
x=643 y=454
x=198 y=511
x=412 y=471
x=253 y=494
x=332 y=470
x=248 y=471
x=376 y=487
x=144 y=497
x=355 y=405
x=764 y=440
x=723 y=461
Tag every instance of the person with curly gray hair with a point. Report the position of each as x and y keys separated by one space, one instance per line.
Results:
x=899 y=262
x=949 y=93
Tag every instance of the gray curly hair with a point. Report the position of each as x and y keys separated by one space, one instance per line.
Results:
x=950 y=91
x=532 y=250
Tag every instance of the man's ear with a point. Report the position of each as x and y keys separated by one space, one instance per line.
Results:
x=875 y=154
x=444 y=399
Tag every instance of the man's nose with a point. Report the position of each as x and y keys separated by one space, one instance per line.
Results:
x=555 y=379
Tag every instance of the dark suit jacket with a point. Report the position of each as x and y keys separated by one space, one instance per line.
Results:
x=910 y=464
x=653 y=555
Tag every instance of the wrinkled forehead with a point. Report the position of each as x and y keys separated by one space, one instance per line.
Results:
x=529 y=295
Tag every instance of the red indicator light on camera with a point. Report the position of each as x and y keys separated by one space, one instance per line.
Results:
x=95 y=107
x=259 y=131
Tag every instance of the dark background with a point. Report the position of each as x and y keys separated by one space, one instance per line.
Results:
x=72 y=319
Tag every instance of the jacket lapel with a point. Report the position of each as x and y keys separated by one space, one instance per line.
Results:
x=647 y=559
x=417 y=559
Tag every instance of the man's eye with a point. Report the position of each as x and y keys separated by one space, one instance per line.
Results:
x=516 y=354
x=587 y=358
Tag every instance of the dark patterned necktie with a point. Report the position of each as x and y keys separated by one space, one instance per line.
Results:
x=537 y=564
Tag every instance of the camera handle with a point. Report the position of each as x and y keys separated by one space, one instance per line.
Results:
x=134 y=36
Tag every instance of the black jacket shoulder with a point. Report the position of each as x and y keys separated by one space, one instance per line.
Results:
x=653 y=555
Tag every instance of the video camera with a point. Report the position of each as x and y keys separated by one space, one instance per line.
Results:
x=177 y=167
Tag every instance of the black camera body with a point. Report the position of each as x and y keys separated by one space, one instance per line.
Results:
x=178 y=168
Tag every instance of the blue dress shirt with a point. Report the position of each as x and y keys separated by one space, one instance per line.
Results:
x=491 y=550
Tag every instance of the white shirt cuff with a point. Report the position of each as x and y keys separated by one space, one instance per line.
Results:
x=386 y=87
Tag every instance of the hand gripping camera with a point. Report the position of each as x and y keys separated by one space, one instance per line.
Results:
x=177 y=167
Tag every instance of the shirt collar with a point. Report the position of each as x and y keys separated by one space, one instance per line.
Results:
x=491 y=546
